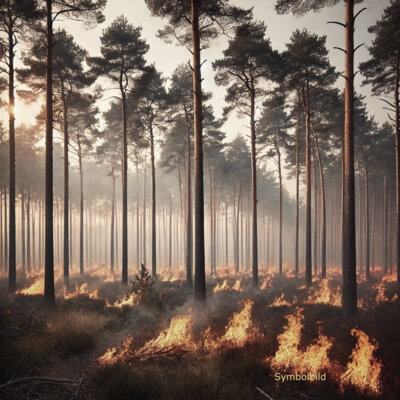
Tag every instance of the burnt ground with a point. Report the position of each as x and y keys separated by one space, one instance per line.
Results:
x=63 y=344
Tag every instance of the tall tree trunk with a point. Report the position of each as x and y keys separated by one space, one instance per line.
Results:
x=373 y=230
x=12 y=274
x=323 y=211
x=137 y=216
x=366 y=221
x=189 y=218
x=296 y=255
x=397 y=134
x=66 y=187
x=144 y=215
x=23 y=247
x=308 y=188
x=153 y=207
x=226 y=234
x=211 y=220
x=49 y=295
x=124 y=190
x=81 y=267
x=315 y=217
x=385 y=222
x=5 y=230
x=28 y=233
x=200 y=272
x=254 y=190
x=280 y=211
x=112 y=227
x=170 y=233
x=349 y=301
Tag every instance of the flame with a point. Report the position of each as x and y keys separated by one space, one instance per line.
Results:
x=37 y=287
x=113 y=355
x=81 y=290
x=266 y=283
x=280 y=301
x=240 y=330
x=325 y=295
x=288 y=356
x=224 y=286
x=363 y=370
x=127 y=301
x=178 y=334
x=381 y=296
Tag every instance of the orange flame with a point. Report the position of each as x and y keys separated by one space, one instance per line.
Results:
x=224 y=286
x=280 y=301
x=325 y=295
x=113 y=355
x=363 y=371
x=240 y=330
x=288 y=356
x=127 y=301
x=37 y=287
x=81 y=290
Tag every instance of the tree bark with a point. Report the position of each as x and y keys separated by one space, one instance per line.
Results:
x=200 y=273
x=385 y=222
x=323 y=212
x=23 y=248
x=124 y=178
x=153 y=207
x=254 y=190
x=81 y=267
x=296 y=254
x=366 y=222
x=308 y=189
x=112 y=226
x=12 y=274
x=397 y=134
x=66 y=186
x=349 y=300
x=280 y=210
x=28 y=233
x=189 y=218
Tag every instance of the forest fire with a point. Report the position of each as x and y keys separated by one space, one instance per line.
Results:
x=37 y=287
x=267 y=282
x=363 y=370
x=280 y=301
x=128 y=300
x=381 y=296
x=114 y=355
x=325 y=295
x=81 y=290
x=240 y=330
x=289 y=357
x=224 y=286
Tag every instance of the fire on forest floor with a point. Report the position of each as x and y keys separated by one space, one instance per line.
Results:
x=243 y=335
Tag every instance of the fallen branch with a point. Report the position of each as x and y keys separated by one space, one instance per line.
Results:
x=38 y=379
x=265 y=394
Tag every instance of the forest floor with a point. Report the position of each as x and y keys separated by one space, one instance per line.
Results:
x=99 y=344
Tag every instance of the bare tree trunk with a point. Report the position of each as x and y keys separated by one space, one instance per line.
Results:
x=323 y=212
x=308 y=189
x=137 y=216
x=349 y=292
x=397 y=134
x=315 y=217
x=226 y=234
x=49 y=295
x=12 y=274
x=23 y=247
x=66 y=187
x=144 y=215
x=373 y=230
x=170 y=233
x=112 y=226
x=385 y=222
x=28 y=233
x=153 y=208
x=296 y=256
x=189 y=217
x=280 y=211
x=366 y=222
x=81 y=267
x=200 y=273
x=254 y=189
x=124 y=178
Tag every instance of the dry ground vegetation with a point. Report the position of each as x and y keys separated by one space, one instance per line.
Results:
x=99 y=343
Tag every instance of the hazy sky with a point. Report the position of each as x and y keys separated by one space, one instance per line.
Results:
x=279 y=28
